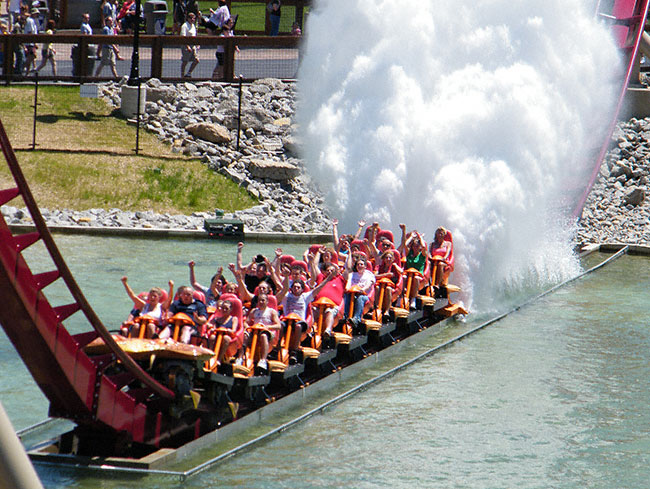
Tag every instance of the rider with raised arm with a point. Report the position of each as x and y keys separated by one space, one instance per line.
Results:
x=213 y=292
x=441 y=251
x=295 y=300
x=152 y=305
x=414 y=249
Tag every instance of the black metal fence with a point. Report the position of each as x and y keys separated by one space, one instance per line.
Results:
x=77 y=60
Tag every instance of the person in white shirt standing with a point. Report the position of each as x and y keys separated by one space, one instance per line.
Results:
x=189 y=51
x=85 y=24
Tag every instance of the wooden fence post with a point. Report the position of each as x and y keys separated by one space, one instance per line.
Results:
x=300 y=12
x=8 y=62
x=82 y=55
x=229 y=60
x=267 y=21
x=157 y=57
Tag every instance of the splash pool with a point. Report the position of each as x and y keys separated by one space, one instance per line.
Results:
x=552 y=396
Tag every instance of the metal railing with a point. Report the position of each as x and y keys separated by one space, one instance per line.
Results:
x=160 y=57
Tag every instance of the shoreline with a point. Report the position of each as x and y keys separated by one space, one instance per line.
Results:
x=258 y=236
x=262 y=237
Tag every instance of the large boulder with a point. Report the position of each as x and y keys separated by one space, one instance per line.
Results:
x=273 y=170
x=215 y=133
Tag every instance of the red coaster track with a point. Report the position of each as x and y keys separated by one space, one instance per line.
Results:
x=75 y=385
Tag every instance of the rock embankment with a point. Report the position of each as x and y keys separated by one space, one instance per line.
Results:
x=201 y=120
x=616 y=209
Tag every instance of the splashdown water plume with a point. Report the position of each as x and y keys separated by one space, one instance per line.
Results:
x=463 y=114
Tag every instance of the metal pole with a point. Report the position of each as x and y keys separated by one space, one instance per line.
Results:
x=35 y=105
x=134 y=77
x=137 y=120
x=16 y=471
x=241 y=80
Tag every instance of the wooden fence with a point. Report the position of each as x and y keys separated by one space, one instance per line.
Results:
x=247 y=57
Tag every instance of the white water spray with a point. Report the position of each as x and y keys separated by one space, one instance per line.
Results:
x=464 y=114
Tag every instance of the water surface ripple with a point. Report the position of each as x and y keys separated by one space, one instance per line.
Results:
x=555 y=395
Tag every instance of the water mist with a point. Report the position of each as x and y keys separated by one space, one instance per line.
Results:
x=464 y=114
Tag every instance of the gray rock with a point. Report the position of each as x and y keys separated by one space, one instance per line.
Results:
x=635 y=197
x=274 y=129
x=153 y=83
x=236 y=177
x=204 y=92
x=163 y=94
x=292 y=145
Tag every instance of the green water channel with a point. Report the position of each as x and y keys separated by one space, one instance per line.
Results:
x=554 y=395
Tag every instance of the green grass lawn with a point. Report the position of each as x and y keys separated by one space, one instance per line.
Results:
x=251 y=15
x=85 y=158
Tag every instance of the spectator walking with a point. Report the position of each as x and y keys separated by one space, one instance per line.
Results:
x=126 y=16
x=274 y=8
x=19 y=49
x=227 y=31
x=78 y=64
x=297 y=32
x=189 y=51
x=181 y=9
x=30 y=48
x=48 y=52
x=3 y=30
x=178 y=17
x=109 y=9
x=110 y=52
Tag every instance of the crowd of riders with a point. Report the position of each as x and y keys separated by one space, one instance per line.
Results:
x=265 y=291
